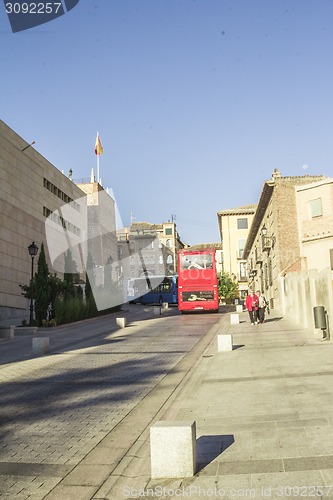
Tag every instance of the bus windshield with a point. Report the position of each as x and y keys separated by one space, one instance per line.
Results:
x=196 y=261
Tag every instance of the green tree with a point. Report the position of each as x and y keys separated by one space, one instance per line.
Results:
x=56 y=289
x=70 y=271
x=41 y=289
x=228 y=288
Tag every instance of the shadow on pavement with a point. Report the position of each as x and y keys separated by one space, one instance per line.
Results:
x=210 y=447
x=237 y=346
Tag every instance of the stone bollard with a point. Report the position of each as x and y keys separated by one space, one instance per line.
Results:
x=121 y=322
x=234 y=318
x=239 y=308
x=157 y=310
x=7 y=332
x=165 y=305
x=40 y=345
x=224 y=342
x=26 y=330
x=173 y=449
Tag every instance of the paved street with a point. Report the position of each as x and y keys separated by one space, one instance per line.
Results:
x=77 y=405
x=75 y=423
x=264 y=418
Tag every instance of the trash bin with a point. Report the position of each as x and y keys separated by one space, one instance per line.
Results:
x=320 y=317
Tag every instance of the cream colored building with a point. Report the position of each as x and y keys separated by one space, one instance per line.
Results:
x=273 y=247
x=315 y=223
x=35 y=198
x=234 y=225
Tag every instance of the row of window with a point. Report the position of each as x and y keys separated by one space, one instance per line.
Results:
x=142 y=244
x=315 y=210
x=152 y=260
x=61 y=221
x=63 y=196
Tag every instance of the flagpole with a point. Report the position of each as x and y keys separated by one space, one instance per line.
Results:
x=97 y=162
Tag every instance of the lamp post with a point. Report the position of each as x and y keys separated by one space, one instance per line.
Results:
x=264 y=230
x=265 y=236
x=33 y=250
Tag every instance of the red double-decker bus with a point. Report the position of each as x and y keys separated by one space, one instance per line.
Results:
x=197 y=280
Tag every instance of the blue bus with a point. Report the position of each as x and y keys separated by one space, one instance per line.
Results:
x=153 y=290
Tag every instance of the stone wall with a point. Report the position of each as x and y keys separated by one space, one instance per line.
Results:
x=301 y=291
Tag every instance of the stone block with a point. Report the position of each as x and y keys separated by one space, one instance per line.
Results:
x=239 y=308
x=121 y=322
x=234 y=318
x=40 y=345
x=165 y=305
x=157 y=311
x=224 y=342
x=26 y=330
x=173 y=449
x=7 y=332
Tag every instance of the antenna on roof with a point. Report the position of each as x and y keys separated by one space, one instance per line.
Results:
x=28 y=146
x=132 y=218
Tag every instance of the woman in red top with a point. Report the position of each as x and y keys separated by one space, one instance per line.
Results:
x=251 y=303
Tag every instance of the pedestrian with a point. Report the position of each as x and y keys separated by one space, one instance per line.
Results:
x=251 y=304
x=262 y=304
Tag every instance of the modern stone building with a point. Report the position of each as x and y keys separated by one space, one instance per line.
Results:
x=101 y=230
x=35 y=199
x=273 y=246
x=234 y=225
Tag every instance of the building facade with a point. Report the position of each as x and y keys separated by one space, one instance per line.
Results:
x=101 y=231
x=37 y=203
x=146 y=248
x=234 y=225
x=315 y=224
x=273 y=245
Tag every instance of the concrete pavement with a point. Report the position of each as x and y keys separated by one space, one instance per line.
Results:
x=68 y=418
x=264 y=412
x=264 y=415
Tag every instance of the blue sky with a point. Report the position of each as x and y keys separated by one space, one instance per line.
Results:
x=196 y=101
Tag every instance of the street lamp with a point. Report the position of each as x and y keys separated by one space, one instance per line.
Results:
x=264 y=230
x=33 y=250
x=264 y=235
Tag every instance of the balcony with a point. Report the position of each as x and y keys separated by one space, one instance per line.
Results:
x=253 y=273
x=242 y=279
x=259 y=259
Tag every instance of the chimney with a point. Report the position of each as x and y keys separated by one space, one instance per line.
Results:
x=276 y=173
